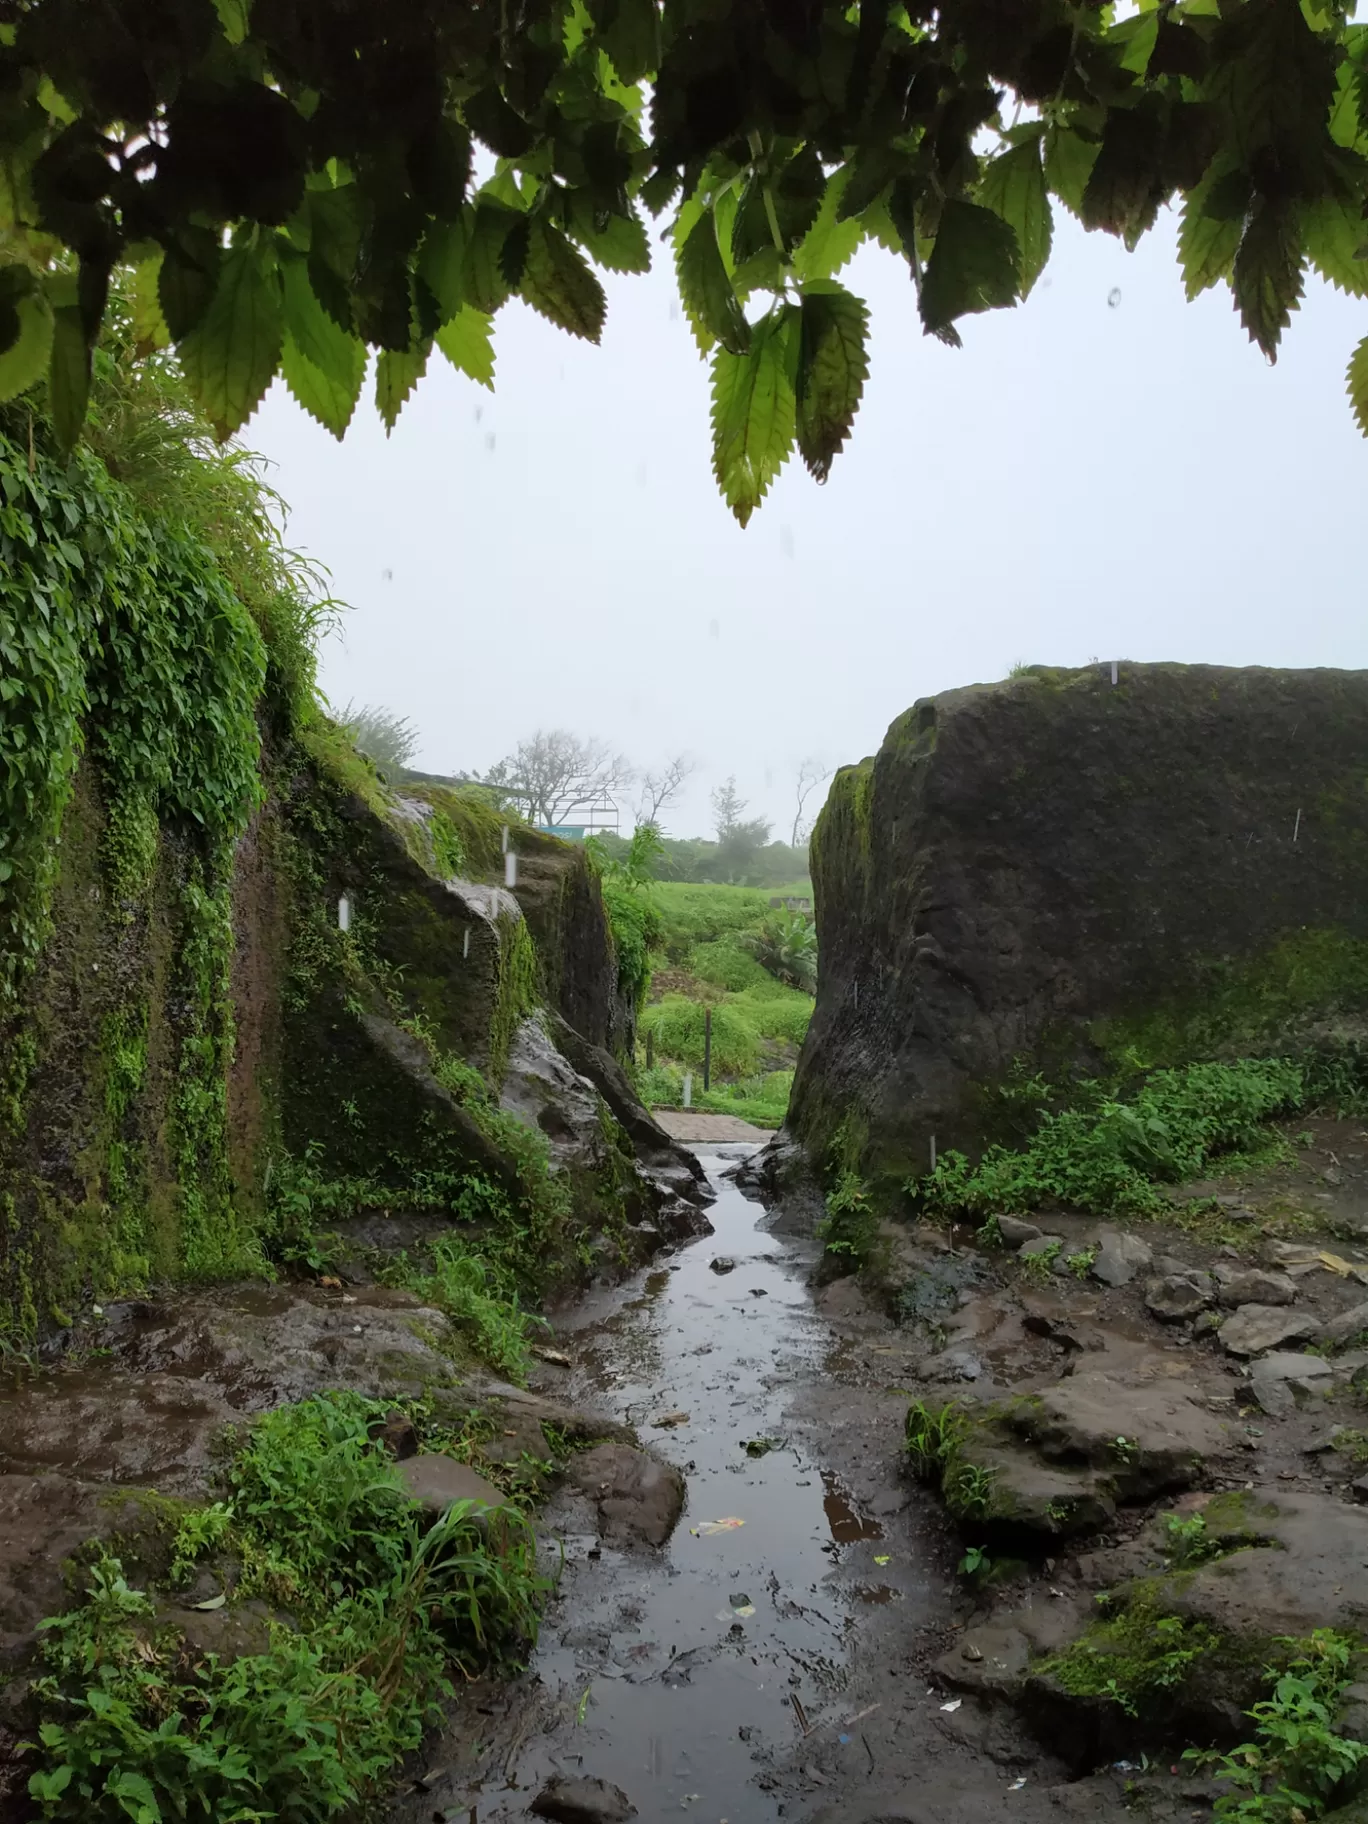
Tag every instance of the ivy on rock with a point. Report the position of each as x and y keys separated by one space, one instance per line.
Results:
x=291 y=199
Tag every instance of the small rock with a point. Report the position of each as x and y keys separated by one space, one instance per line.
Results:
x=582 y=1800
x=1205 y=1322
x=435 y=1481
x=1038 y=1245
x=1255 y=1328
x=1169 y=1264
x=397 y=1435
x=1175 y=1297
x=1120 y=1258
x=1014 y=1231
x=1349 y=1323
x=723 y=1263
x=639 y=1498
x=1360 y=1487
x=669 y=1420
x=1287 y=1365
x=1257 y=1286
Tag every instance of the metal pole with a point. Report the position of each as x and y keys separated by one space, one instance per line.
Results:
x=707 y=1046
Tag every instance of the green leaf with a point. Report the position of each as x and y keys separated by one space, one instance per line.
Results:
x=1267 y=276
x=1210 y=237
x=149 y=325
x=630 y=34
x=1125 y=187
x=25 y=361
x=832 y=370
x=485 y=285
x=441 y=265
x=1069 y=159
x=754 y=410
x=1356 y=381
x=68 y=375
x=1013 y=186
x=231 y=357
x=620 y=244
x=707 y=292
x=1334 y=232
x=1276 y=78
x=467 y=341
x=325 y=397
x=831 y=240
x=211 y=1602
x=559 y=284
x=233 y=17
x=974 y=266
x=340 y=357
x=397 y=372
x=188 y=279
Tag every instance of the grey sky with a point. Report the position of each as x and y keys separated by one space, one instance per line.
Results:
x=1080 y=479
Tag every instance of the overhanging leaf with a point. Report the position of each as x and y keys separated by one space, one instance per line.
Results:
x=1209 y=238
x=832 y=370
x=25 y=361
x=754 y=410
x=974 y=266
x=630 y=34
x=467 y=341
x=618 y=243
x=832 y=239
x=1069 y=159
x=1267 y=275
x=1013 y=186
x=1356 y=381
x=149 y=325
x=484 y=283
x=1334 y=232
x=340 y=357
x=230 y=358
x=559 y=284
x=68 y=375
x=708 y=294
x=324 y=396
x=397 y=372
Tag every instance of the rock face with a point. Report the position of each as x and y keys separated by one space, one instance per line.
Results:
x=1052 y=869
x=639 y=1498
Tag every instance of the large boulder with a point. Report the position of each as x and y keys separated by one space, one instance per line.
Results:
x=1061 y=870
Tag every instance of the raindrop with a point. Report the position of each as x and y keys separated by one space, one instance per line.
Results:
x=479 y=413
x=786 y=541
x=387 y=575
x=1113 y=297
x=715 y=628
x=489 y=441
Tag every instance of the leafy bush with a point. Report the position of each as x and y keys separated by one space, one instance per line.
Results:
x=784 y=1015
x=786 y=945
x=480 y=1298
x=850 y=1227
x=1109 y=1156
x=136 y=1726
x=692 y=915
x=724 y=964
x=677 y=1027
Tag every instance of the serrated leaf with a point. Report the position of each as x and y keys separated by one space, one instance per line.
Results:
x=25 y=361
x=1207 y=241
x=1356 y=382
x=1275 y=77
x=231 y=357
x=832 y=369
x=1069 y=160
x=484 y=283
x=1334 y=232
x=441 y=265
x=1267 y=275
x=188 y=280
x=340 y=357
x=68 y=375
x=631 y=37
x=1344 y=113
x=1013 y=186
x=149 y=325
x=706 y=288
x=397 y=372
x=832 y=239
x=467 y=341
x=1124 y=187
x=620 y=244
x=559 y=284
x=754 y=411
x=233 y=17
x=330 y=400
x=974 y=266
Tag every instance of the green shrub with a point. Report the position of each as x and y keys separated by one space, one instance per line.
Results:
x=692 y=915
x=677 y=1027
x=786 y=945
x=783 y=1016
x=850 y=1227
x=724 y=964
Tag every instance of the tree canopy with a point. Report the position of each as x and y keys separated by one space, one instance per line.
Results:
x=295 y=182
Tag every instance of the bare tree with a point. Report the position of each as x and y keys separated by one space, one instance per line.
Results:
x=660 y=789
x=553 y=773
x=389 y=739
x=811 y=773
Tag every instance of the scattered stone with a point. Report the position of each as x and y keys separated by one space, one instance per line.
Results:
x=669 y=1420
x=556 y=1357
x=1255 y=1328
x=639 y=1498
x=1175 y=1297
x=1287 y=1365
x=435 y=1481
x=843 y=1298
x=1360 y=1487
x=722 y=1263
x=1038 y=1245
x=1205 y=1322
x=1257 y=1286
x=1120 y=1258
x=1014 y=1231
x=582 y=1800
x=396 y=1434
x=1348 y=1324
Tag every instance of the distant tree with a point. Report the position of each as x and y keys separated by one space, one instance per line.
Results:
x=811 y=773
x=389 y=739
x=727 y=804
x=554 y=773
x=660 y=789
x=739 y=839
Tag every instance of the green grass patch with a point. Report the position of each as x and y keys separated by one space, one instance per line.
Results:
x=677 y=1026
x=722 y=963
x=135 y=1724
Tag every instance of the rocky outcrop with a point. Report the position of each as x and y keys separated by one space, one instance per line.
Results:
x=1058 y=871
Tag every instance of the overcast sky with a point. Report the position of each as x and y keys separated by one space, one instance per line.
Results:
x=1106 y=470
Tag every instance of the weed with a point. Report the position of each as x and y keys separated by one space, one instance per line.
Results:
x=1125 y=1448
x=850 y=1227
x=1291 y=1770
x=989 y=1234
x=1039 y=1268
x=968 y=1490
x=1134 y=1659
x=932 y=1436
x=1188 y=1541
x=976 y=1565
x=1081 y=1263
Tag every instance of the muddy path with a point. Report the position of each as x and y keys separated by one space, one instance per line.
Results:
x=775 y=1668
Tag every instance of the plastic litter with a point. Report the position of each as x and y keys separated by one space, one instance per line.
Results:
x=214 y=1602
x=761 y=1447
x=706 y=1528
x=843 y=1739
x=1016 y=1785
x=883 y=1558
x=953 y=1705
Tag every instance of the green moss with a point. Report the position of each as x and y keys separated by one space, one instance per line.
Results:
x=516 y=994
x=1139 y=1659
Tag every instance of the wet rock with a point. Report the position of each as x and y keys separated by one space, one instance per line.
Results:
x=1120 y=1258
x=1255 y=1328
x=943 y=1286
x=1287 y=1365
x=722 y=1263
x=1257 y=1286
x=1347 y=1325
x=1281 y=1382
x=582 y=1799
x=397 y=1434
x=1038 y=1245
x=843 y=1298
x=436 y=1481
x=1175 y=1297
x=639 y=1498
x=1014 y=1231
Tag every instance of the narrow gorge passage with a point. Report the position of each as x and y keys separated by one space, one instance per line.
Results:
x=740 y=1673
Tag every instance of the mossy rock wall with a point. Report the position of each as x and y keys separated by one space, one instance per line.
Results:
x=1063 y=875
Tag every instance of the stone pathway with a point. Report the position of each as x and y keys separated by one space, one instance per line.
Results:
x=695 y=1128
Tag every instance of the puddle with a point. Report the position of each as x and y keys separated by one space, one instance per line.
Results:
x=683 y=1677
